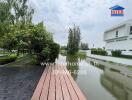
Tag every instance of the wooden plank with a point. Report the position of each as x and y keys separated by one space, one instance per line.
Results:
x=59 y=95
x=45 y=90
x=70 y=88
x=59 y=86
x=66 y=95
x=38 y=89
x=51 y=95
x=74 y=84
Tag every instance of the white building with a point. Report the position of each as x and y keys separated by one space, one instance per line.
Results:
x=119 y=37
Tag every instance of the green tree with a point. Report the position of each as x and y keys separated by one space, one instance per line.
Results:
x=22 y=12
x=4 y=18
x=54 y=51
x=73 y=40
x=40 y=37
x=9 y=42
x=19 y=33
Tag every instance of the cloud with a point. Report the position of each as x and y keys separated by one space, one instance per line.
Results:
x=93 y=17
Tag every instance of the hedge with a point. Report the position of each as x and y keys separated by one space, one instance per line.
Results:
x=127 y=56
x=7 y=59
x=116 y=53
x=99 y=51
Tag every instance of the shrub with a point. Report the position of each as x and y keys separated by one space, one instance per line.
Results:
x=127 y=56
x=7 y=59
x=116 y=53
x=48 y=54
x=54 y=52
x=99 y=51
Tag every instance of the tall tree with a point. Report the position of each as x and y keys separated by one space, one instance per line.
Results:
x=15 y=21
x=73 y=39
x=22 y=12
x=4 y=18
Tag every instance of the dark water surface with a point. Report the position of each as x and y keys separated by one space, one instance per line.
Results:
x=97 y=81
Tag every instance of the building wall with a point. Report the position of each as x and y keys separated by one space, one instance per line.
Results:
x=120 y=45
x=122 y=42
x=122 y=31
x=110 y=35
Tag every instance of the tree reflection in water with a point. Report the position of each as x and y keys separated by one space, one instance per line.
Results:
x=73 y=63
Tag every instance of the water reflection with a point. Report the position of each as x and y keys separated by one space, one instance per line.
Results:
x=118 y=84
x=72 y=65
x=103 y=81
x=102 y=67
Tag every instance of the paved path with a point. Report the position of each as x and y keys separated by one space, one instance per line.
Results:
x=57 y=84
x=113 y=59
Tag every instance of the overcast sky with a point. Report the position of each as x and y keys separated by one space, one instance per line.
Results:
x=93 y=17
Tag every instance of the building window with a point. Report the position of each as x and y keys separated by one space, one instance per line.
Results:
x=130 y=29
x=116 y=33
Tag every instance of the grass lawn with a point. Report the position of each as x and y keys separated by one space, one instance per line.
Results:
x=7 y=57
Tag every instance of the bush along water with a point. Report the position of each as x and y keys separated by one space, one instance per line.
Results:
x=48 y=54
x=99 y=51
x=116 y=53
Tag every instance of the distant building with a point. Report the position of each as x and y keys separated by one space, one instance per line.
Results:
x=119 y=37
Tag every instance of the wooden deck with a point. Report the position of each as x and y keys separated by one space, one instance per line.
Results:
x=57 y=84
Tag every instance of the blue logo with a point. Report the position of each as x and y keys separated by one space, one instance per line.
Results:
x=117 y=11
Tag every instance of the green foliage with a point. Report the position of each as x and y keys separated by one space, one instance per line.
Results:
x=9 y=42
x=4 y=18
x=14 y=12
x=24 y=36
x=127 y=56
x=98 y=51
x=116 y=53
x=54 y=51
x=22 y=13
x=40 y=38
x=7 y=59
x=73 y=40
x=43 y=56
x=15 y=18
x=43 y=45
x=49 y=53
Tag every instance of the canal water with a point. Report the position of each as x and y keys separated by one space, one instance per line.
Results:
x=96 y=81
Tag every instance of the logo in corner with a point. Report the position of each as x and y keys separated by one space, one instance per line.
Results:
x=117 y=11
